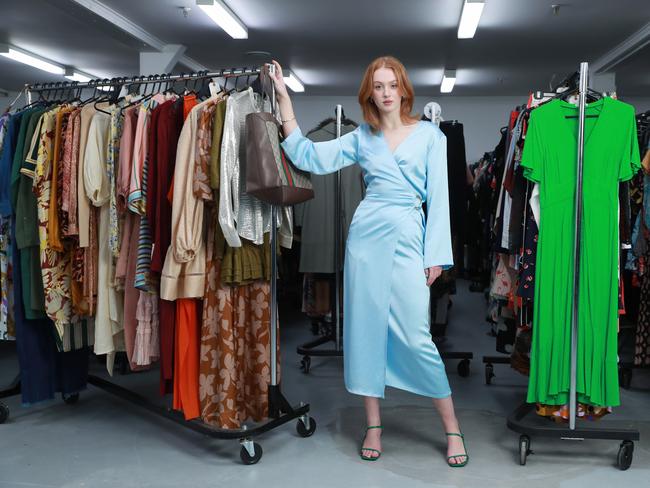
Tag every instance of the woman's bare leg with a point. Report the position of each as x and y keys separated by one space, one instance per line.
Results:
x=445 y=407
x=373 y=436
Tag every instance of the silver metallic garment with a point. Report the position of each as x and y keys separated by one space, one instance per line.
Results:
x=240 y=214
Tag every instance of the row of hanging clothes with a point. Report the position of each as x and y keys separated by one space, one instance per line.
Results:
x=126 y=228
x=637 y=259
x=504 y=233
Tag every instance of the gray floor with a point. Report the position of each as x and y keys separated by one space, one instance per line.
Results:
x=103 y=441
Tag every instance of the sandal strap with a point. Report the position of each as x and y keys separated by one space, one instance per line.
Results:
x=456 y=434
x=375 y=427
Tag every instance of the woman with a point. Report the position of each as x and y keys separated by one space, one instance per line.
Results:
x=393 y=253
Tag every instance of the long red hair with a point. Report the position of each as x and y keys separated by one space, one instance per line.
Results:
x=370 y=111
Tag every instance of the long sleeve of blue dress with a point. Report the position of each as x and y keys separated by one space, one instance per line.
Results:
x=437 y=236
x=325 y=157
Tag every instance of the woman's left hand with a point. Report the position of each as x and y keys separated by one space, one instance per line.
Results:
x=432 y=274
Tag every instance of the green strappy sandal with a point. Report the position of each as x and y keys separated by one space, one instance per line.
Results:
x=370 y=458
x=466 y=456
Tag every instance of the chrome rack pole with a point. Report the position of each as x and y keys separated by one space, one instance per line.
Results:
x=274 y=270
x=337 y=239
x=584 y=78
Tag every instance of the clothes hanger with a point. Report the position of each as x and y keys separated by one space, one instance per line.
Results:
x=102 y=98
x=135 y=102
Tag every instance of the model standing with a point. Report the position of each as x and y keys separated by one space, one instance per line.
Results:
x=393 y=252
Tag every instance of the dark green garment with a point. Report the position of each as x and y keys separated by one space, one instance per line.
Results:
x=19 y=154
x=215 y=149
x=25 y=205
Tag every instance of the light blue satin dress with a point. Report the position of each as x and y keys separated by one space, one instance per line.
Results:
x=386 y=338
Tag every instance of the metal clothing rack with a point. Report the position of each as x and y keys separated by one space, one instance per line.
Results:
x=310 y=348
x=280 y=411
x=524 y=420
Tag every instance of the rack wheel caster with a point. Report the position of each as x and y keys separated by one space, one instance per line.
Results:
x=463 y=368
x=70 y=399
x=251 y=452
x=625 y=377
x=625 y=453
x=303 y=430
x=4 y=413
x=489 y=373
x=305 y=364
x=524 y=449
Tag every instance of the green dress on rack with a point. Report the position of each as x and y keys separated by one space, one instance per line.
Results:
x=611 y=155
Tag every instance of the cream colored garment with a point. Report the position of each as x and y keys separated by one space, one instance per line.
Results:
x=83 y=206
x=108 y=317
x=183 y=274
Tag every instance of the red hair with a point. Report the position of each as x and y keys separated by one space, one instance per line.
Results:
x=370 y=111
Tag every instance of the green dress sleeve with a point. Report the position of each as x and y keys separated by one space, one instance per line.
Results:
x=630 y=163
x=532 y=157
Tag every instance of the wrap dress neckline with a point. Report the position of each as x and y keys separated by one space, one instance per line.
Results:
x=393 y=152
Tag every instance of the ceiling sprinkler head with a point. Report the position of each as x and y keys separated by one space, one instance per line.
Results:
x=186 y=11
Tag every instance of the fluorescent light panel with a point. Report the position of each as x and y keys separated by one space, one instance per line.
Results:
x=76 y=76
x=294 y=83
x=469 y=19
x=448 y=81
x=224 y=18
x=30 y=60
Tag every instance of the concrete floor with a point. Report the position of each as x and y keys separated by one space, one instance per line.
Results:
x=104 y=441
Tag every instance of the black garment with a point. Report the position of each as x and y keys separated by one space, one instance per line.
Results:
x=457 y=176
x=626 y=213
x=527 y=269
x=519 y=196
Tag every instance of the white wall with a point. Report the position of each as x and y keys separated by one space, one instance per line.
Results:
x=482 y=117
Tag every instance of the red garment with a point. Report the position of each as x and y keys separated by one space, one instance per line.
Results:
x=167 y=129
x=159 y=208
x=186 y=365
x=189 y=102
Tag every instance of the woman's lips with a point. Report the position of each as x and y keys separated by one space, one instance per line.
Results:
x=388 y=102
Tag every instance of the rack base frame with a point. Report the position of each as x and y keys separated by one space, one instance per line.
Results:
x=280 y=412
x=309 y=349
x=526 y=422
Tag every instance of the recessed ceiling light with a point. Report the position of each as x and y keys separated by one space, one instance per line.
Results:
x=469 y=19
x=448 y=81
x=30 y=59
x=224 y=18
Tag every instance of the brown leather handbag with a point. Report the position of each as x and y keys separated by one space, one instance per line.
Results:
x=270 y=176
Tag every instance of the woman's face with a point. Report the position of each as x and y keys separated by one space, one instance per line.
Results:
x=386 y=94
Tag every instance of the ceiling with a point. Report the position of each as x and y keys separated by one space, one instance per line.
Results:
x=520 y=45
